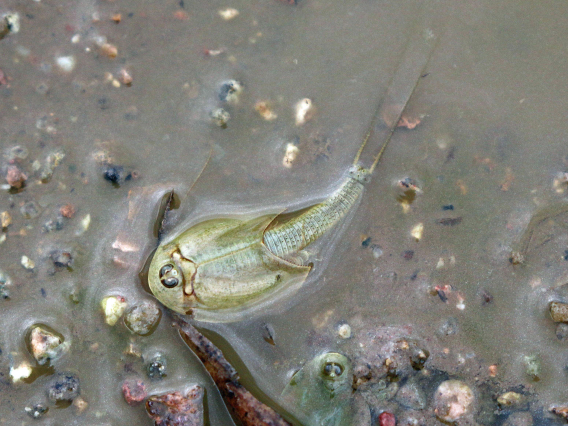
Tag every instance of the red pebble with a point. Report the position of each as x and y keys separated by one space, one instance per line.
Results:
x=15 y=177
x=134 y=391
x=387 y=419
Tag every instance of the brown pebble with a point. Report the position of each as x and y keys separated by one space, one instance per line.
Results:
x=68 y=211
x=109 y=50
x=559 y=311
x=15 y=176
x=117 y=17
x=134 y=391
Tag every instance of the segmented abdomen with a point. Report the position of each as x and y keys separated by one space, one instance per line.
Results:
x=294 y=235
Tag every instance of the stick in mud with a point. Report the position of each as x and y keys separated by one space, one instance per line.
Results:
x=241 y=403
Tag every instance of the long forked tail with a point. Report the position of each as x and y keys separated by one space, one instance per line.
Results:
x=419 y=50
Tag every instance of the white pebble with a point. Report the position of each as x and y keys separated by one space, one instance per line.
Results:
x=228 y=14
x=304 y=111
x=417 y=231
x=66 y=63
x=453 y=400
x=344 y=331
x=27 y=262
x=22 y=371
x=290 y=155
x=85 y=223
x=12 y=21
x=113 y=308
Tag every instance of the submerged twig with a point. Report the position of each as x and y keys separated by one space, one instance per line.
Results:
x=243 y=405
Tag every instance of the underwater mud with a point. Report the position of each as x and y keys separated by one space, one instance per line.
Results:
x=451 y=269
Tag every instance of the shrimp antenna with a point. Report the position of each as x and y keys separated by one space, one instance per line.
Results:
x=418 y=51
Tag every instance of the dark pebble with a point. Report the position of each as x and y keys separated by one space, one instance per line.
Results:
x=448 y=207
x=114 y=174
x=36 y=411
x=366 y=242
x=408 y=254
x=63 y=387
x=156 y=369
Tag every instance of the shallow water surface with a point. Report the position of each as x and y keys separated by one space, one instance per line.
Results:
x=485 y=156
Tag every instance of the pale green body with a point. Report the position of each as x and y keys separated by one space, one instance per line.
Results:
x=229 y=264
x=320 y=399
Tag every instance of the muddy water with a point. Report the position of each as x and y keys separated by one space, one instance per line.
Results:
x=490 y=143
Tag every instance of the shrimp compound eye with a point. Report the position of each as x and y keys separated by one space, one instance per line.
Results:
x=169 y=276
x=332 y=370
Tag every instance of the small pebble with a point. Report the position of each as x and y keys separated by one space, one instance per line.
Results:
x=143 y=318
x=387 y=419
x=304 y=111
x=22 y=371
x=125 y=77
x=5 y=219
x=66 y=63
x=220 y=117
x=113 y=308
x=134 y=391
x=115 y=174
x=15 y=177
x=510 y=399
x=63 y=387
x=265 y=111
x=558 y=311
x=228 y=14
x=290 y=155
x=80 y=404
x=453 y=400
x=156 y=368
x=68 y=211
x=9 y=24
x=36 y=411
x=109 y=50
x=45 y=345
x=230 y=91
x=417 y=231
x=27 y=263
x=344 y=331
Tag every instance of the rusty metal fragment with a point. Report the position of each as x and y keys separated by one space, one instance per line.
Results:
x=240 y=402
